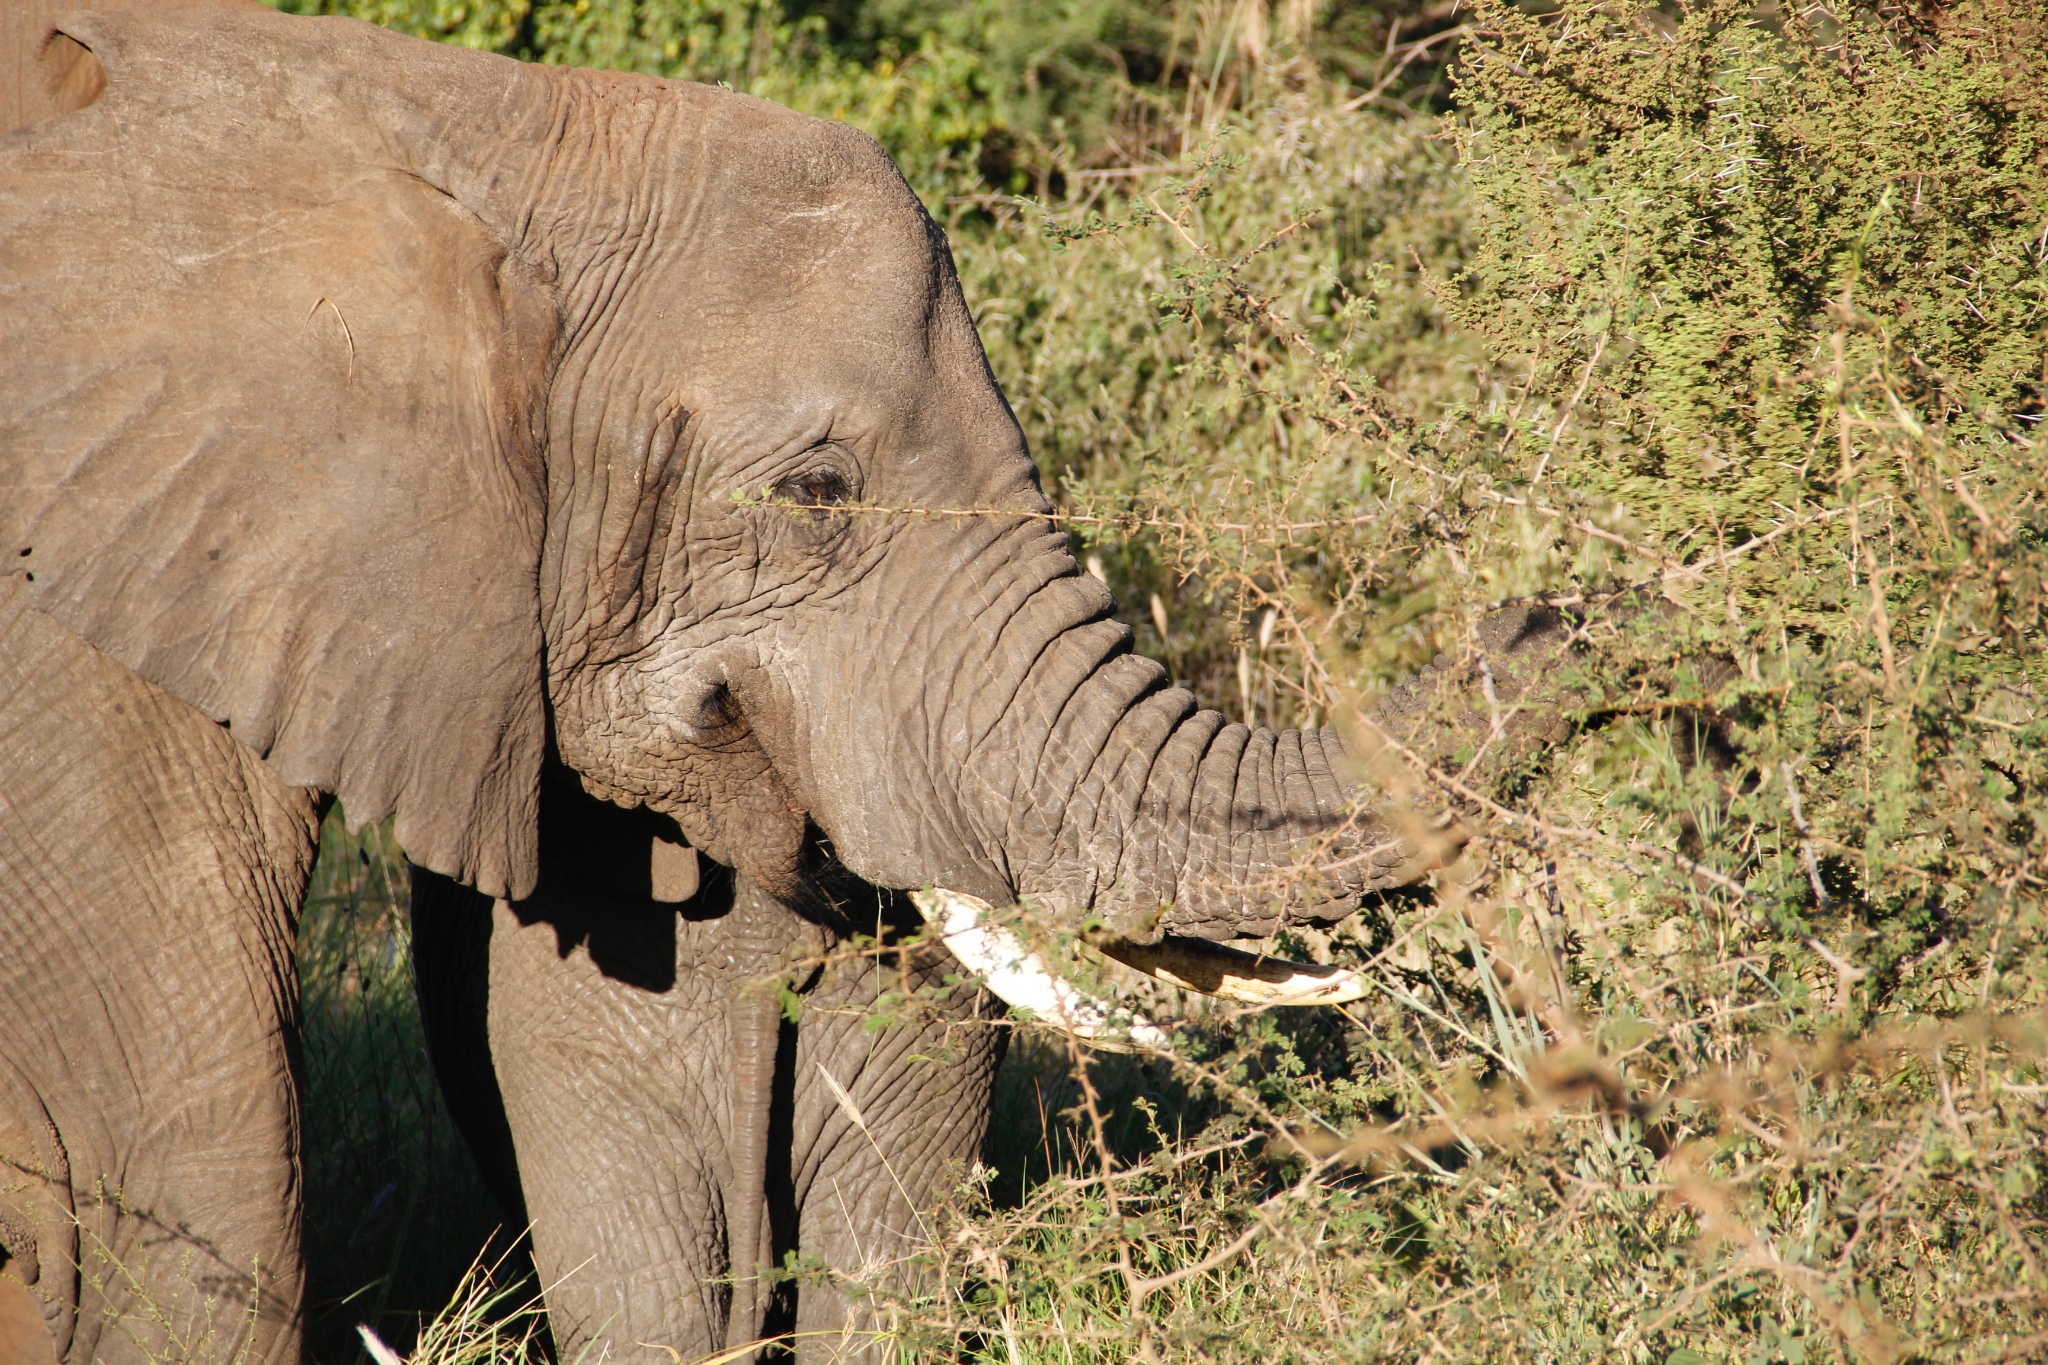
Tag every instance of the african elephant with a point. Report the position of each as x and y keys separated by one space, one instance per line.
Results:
x=622 y=1062
x=562 y=462
x=636 y=1092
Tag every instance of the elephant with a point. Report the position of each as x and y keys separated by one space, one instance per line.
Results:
x=601 y=477
x=640 y=1095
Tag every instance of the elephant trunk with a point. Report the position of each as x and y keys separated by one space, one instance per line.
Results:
x=1182 y=823
x=1179 y=829
x=1101 y=788
x=1179 y=824
x=1060 y=768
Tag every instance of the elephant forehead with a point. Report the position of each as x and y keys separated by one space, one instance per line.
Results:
x=856 y=355
x=776 y=275
x=770 y=211
x=847 y=274
x=817 y=190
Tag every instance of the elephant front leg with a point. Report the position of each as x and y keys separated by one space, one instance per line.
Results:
x=674 y=1135
x=885 y=1120
x=150 y=870
x=630 y=1057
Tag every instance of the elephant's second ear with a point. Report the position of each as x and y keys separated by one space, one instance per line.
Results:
x=268 y=436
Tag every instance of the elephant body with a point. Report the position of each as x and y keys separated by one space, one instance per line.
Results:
x=151 y=869
x=517 y=452
x=636 y=1057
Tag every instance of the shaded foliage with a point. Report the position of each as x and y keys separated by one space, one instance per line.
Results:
x=395 y=1208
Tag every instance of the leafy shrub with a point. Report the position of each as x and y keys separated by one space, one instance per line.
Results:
x=1672 y=1069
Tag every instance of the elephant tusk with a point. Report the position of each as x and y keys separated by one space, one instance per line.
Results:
x=1020 y=977
x=1197 y=964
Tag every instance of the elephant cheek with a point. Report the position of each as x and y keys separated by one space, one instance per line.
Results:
x=757 y=828
x=717 y=784
x=732 y=806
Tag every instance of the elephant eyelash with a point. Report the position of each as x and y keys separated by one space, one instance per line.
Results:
x=814 y=488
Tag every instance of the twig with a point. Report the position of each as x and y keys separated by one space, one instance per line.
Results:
x=350 y=335
x=1456 y=788
x=1820 y=892
x=1585 y=381
x=1120 y=172
x=1411 y=52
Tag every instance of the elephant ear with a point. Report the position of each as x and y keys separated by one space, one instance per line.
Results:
x=269 y=434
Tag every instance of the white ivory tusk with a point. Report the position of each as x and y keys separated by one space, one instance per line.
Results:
x=1017 y=976
x=1197 y=964
x=1021 y=977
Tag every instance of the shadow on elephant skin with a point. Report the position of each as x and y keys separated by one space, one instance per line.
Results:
x=613 y=882
x=691 y=979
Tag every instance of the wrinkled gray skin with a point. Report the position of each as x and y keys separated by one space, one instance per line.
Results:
x=619 y=1058
x=389 y=421
x=664 y=1116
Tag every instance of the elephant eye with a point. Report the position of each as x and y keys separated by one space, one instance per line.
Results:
x=817 y=488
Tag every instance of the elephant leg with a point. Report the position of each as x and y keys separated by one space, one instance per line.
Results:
x=150 y=872
x=631 y=1096
x=675 y=1138
x=877 y=1145
x=629 y=1077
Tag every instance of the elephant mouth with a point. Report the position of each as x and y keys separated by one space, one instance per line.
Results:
x=1025 y=978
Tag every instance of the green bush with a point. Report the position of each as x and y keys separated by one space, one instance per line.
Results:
x=1725 y=328
x=969 y=96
